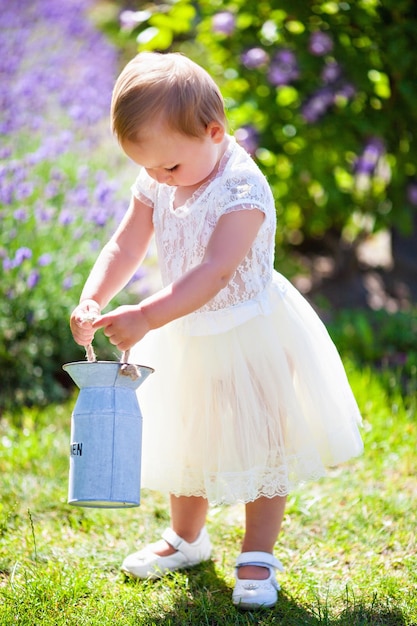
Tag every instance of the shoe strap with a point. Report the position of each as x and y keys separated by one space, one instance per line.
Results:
x=260 y=559
x=178 y=543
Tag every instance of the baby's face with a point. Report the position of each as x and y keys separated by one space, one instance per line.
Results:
x=175 y=159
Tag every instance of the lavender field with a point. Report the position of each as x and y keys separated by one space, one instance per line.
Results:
x=61 y=189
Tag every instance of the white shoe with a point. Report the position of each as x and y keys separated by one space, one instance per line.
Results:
x=147 y=564
x=256 y=594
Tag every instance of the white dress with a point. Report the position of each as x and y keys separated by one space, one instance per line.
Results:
x=249 y=397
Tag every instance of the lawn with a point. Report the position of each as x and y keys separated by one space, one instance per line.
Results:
x=348 y=542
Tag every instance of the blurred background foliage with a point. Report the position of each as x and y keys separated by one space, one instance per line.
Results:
x=62 y=189
x=320 y=93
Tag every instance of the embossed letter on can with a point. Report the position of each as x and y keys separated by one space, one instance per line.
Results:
x=76 y=449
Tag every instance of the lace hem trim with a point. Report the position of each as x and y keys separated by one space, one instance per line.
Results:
x=220 y=489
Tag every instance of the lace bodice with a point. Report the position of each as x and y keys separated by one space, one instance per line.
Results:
x=182 y=233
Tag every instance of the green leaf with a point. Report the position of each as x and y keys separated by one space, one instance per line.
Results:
x=153 y=38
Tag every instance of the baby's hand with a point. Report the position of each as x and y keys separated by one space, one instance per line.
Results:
x=124 y=326
x=81 y=321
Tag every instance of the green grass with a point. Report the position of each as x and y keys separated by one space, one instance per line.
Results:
x=348 y=542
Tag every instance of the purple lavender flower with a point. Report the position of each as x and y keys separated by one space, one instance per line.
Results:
x=51 y=190
x=45 y=259
x=6 y=193
x=324 y=98
x=317 y=104
x=21 y=215
x=5 y=153
x=8 y=264
x=99 y=216
x=331 y=72
x=248 y=137
x=66 y=217
x=224 y=23
x=284 y=68
x=33 y=279
x=320 y=44
x=67 y=283
x=412 y=193
x=44 y=213
x=366 y=163
x=130 y=19
x=346 y=90
x=23 y=190
x=22 y=254
x=103 y=192
x=254 y=57
x=79 y=197
x=127 y=20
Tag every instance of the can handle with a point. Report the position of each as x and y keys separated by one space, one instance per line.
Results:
x=91 y=355
x=89 y=350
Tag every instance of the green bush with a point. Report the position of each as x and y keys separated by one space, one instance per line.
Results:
x=386 y=341
x=321 y=93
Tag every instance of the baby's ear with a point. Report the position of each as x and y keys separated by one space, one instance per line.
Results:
x=215 y=131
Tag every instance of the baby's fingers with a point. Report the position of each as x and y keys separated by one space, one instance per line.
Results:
x=101 y=321
x=83 y=337
x=86 y=313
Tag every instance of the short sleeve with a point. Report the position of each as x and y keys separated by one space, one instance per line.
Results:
x=245 y=192
x=144 y=188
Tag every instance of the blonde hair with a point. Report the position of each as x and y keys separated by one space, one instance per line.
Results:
x=168 y=86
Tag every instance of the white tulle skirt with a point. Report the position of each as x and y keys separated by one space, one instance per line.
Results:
x=252 y=411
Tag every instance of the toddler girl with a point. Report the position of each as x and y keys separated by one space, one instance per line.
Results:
x=249 y=398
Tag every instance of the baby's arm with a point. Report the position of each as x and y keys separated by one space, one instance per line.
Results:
x=115 y=265
x=228 y=246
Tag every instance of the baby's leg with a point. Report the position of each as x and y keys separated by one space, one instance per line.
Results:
x=256 y=585
x=188 y=516
x=263 y=522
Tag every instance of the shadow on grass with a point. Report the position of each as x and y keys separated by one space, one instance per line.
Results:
x=290 y=613
x=203 y=598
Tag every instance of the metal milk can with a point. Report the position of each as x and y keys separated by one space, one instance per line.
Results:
x=106 y=434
